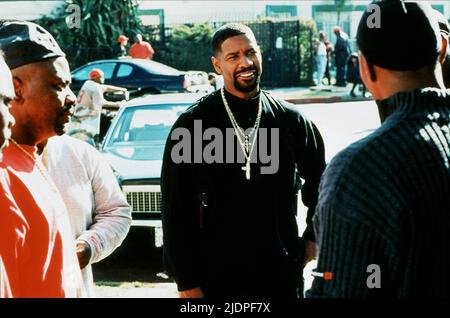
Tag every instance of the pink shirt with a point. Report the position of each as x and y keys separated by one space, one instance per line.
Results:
x=142 y=50
x=37 y=249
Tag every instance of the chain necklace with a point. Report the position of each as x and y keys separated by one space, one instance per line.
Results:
x=245 y=141
x=39 y=166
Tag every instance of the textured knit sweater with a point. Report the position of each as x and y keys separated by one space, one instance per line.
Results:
x=385 y=200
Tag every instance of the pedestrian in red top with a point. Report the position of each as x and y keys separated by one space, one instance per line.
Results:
x=141 y=49
x=120 y=50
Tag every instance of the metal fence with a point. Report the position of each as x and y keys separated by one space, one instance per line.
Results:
x=286 y=48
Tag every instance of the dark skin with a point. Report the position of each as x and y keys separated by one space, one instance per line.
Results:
x=383 y=83
x=84 y=253
x=44 y=102
x=109 y=88
x=42 y=107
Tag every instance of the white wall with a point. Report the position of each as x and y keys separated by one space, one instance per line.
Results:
x=27 y=10
x=186 y=11
x=204 y=11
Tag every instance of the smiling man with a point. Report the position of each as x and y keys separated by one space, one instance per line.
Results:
x=229 y=228
x=44 y=264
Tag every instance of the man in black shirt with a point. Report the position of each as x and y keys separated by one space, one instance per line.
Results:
x=230 y=224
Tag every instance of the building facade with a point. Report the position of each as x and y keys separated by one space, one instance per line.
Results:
x=323 y=12
x=28 y=10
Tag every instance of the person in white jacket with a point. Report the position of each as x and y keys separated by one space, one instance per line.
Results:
x=99 y=213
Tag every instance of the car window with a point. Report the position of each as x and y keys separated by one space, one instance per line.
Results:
x=124 y=70
x=140 y=133
x=157 y=68
x=83 y=74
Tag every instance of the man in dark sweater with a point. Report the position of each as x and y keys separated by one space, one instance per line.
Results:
x=383 y=217
x=341 y=53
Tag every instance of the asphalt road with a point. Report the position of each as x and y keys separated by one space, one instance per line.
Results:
x=135 y=269
x=341 y=124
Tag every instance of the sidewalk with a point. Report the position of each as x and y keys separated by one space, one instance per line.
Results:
x=314 y=94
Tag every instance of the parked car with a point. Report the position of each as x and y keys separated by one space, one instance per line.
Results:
x=134 y=147
x=141 y=77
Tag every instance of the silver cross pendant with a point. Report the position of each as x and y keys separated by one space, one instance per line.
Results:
x=247 y=169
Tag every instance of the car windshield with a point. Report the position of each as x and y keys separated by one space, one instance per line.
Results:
x=157 y=68
x=140 y=133
x=83 y=73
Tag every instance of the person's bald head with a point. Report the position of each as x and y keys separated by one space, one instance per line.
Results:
x=41 y=76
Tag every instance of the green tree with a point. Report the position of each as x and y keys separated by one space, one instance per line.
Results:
x=102 y=21
x=308 y=30
x=188 y=48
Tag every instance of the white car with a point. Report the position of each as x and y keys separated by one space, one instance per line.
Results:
x=134 y=147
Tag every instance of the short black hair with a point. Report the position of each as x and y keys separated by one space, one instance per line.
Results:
x=227 y=31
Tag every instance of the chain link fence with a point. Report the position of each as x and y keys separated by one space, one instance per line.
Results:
x=288 y=56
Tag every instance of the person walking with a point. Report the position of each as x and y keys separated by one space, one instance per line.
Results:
x=353 y=75
x=120 y=49
x=342 y=52
x=321 y=58
x=141 y=49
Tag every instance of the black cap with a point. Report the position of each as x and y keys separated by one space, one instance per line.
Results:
x=26 y=42
x=408 y=36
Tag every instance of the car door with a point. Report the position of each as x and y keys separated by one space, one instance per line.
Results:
x=127 y=75
x=138 y=80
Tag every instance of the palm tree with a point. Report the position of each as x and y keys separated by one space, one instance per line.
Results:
x=102 y=21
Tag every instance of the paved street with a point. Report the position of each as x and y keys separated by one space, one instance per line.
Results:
x=135 y=271
x=342 y=123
